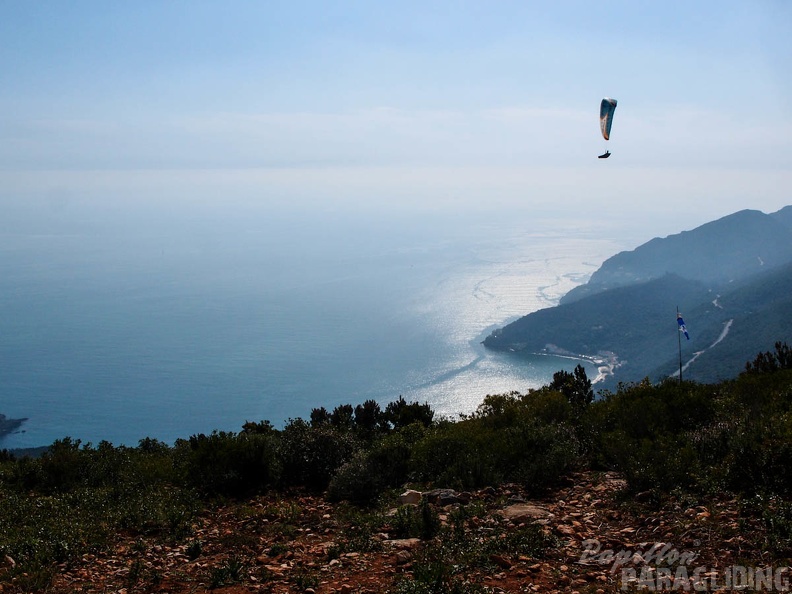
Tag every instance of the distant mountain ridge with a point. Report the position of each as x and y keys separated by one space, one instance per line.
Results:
x=732 y=247
x=731 y=278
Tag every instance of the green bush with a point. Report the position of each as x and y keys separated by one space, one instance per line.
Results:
x=310 y=456
x=527 y=541
x=384 y=465
x=356 y=480
x=770 y=362
x=457 y=455
x=540 y=455
x=224 y=463
x=416 y=521
x=507 y=439
x=736 y=435
x=400 y=413
x=757 y=455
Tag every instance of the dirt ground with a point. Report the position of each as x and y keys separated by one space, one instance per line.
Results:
x=602 y=542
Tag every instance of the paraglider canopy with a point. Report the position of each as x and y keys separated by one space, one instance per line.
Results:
x=607 y=107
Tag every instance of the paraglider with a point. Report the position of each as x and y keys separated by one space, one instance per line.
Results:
x=607 y=107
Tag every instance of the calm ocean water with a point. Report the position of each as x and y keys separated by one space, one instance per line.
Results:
x=165 y=325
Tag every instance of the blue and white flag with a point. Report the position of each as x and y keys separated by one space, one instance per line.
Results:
x=682 y=327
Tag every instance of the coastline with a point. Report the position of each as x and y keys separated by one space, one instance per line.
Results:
x=8 y=426
x=606 y=362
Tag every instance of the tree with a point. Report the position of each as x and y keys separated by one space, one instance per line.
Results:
x=368 y=416
x=768 y=362
x=575 y=386
x=319 y=416
x=342 y=416
x=260 y=428
x=400 y=414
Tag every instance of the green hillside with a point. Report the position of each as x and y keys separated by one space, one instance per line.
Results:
x=638 y=323
x=620 y=312
x=733 y=247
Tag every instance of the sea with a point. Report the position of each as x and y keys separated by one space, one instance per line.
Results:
x=166 y=322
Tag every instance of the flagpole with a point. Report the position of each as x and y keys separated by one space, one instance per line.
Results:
x=679 y=340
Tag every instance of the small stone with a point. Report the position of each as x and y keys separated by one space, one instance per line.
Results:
x=525 y=512
x=402 y=557
x=566 y=530
x=501 y=561
x=410 y=497
x=443 y=497
x=404 y=543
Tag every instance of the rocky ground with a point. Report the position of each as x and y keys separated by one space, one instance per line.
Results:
x=599 y=541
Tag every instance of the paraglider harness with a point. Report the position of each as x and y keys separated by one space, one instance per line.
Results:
x=605 y=155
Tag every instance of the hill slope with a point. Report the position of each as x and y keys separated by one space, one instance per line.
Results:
x=335 y=563
x=733 y=247
x=635 y=322
x=735 y=290
x=749 y=318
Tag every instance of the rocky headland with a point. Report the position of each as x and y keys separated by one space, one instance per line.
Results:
x=9 y=425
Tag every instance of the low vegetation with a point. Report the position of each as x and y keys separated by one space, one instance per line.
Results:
x=676 y=438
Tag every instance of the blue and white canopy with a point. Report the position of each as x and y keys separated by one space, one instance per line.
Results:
x=607 y=107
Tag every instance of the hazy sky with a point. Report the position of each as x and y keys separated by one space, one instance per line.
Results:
x=401 y=105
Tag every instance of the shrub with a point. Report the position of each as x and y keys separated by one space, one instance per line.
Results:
x=227 y=464
x=735 y=435
x=385 y=464
x=401 y=414
x=356 y=480
x=757 y=455
x=527 y=541
x=310 y=456
x=61 y=468
x=459 y=455
x=504 y=441
x=230 y=572
x=540 y=455
x=768 y=362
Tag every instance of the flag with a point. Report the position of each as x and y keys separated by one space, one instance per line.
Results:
x=682 y=327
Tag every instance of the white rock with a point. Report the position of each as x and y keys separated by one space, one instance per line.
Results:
x=410 y=497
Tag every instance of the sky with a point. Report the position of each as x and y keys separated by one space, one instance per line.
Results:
x=409 y=106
